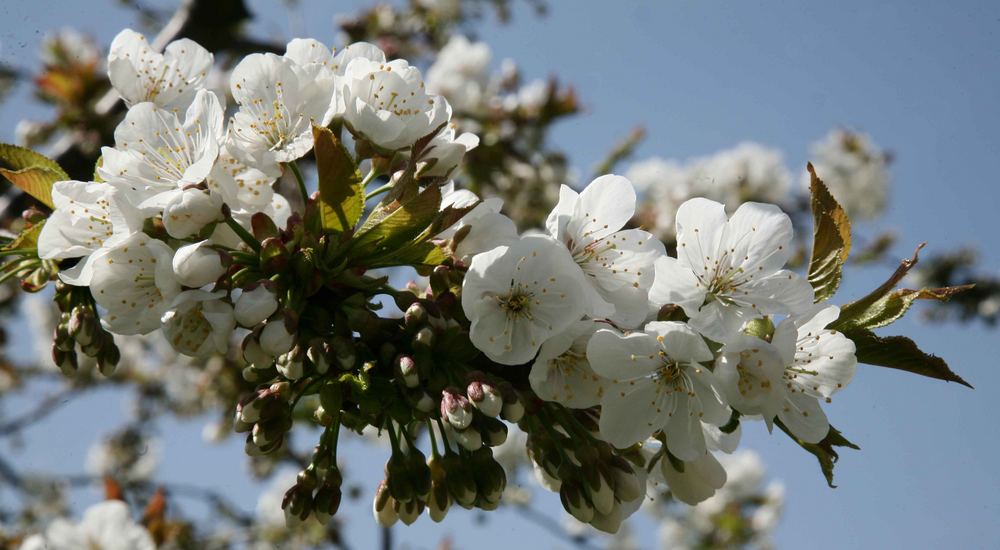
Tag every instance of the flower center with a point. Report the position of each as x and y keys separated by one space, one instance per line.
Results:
x=516 y=303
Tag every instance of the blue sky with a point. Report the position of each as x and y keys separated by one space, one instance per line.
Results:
x=920 y=76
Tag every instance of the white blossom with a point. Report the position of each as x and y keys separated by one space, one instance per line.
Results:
x=487 y=227
x=363 y=50
x=105 y=526
x=134 y=282
x=279 y=101
x=242 y=186
x=751 y=372
x=819 y=362
x=855 y=171
x=445 y=152
x=170 y=80
x=86 y=217
x=156 y=153
x=664 y=185
x=199 y=323
x=729 y=271
x=618 y=263
x=197 y=264
x=519 y=296
x=561 y=372
x=660 y=385
x=386 y=103
x=461 y=73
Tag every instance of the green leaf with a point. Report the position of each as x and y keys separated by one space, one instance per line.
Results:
x=890 y=307
x=831 y=239
x=886 y=304
x=394 y=225
x=31 y=172
x=421 y=254
x=824 y=450
x=899 y=352
x=27 y=239
x=342 y=197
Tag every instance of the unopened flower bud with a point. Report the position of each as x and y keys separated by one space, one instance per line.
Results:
x=254 y=306
x=602 y=496
x=343 y=352
x=61 y=339
x=317 y=354
x=415 y=315
x=107 y=359
x=456 y=409
x=254 y=354
x=422 y=401
x=485 y=397
x=406 y=367
x=383 y=506
x=627 y=485
x=494 y=433
x=512 y=412
x=190 y=211
x=297 y=504
x=275 y=338
x=470 y=439
x=327 y=499
x=424 y=338
x=461 y=485
x=439 y=500
x=575 y=502
x=65 y=360
x=290 y=366
x=249 y=411
x=82 y=325
x=197 y=264
x=409 y=511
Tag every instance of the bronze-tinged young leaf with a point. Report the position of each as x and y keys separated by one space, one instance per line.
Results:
x=891 y=307
x=31 y=172
x=27 y=239
x=381 y=235
x=886 y=304
x=341 y=195
x=824 y=450
x=831 y=239
x=899 y=352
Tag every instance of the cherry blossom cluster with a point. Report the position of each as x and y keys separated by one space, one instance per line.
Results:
x=675 y=351
x=626 y=361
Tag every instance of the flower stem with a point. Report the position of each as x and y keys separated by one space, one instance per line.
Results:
x=302 y=182
x=378 y=191
x=243 y=234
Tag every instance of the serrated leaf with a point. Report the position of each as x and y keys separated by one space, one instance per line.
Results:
x=31 y=172
x=27 y=239
x=385 y=233
x=341 y=195
x=890 y=307
x=886 y=304
x=899 y=352
x=824 y=450
x=831 y=239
